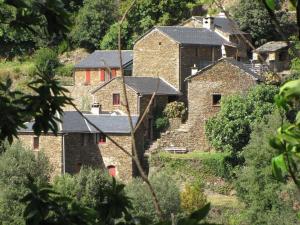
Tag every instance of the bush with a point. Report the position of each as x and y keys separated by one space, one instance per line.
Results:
x=65 y=71
x=192 y=198
x=16 y=164
x=267 y=200
x=46 y=60
x=175 y=110
x=230 y=129
x=161 y=123
x=167 y=192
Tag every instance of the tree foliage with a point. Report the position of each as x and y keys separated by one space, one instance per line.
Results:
x=16 y=164
x=267 y=200
x=92 y=22
x=230 y=129
x=252 y=17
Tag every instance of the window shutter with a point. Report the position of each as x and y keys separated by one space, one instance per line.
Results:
x=112 y=170
x=113 y=73
x=36 y=142
x=87 y=76
x=102 y=75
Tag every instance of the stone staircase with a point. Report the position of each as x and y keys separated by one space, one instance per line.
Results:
x=171 y=138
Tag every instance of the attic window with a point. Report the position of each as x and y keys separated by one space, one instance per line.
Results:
x=216 y=99
x=101 y=138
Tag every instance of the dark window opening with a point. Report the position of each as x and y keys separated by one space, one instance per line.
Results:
x=84 y=139
x=116 y=99
x=216 y=99
x=111 y=170
x=78 y=167
x=101 y=138
x=159 y=43
x=196 y=51
x=36 y=142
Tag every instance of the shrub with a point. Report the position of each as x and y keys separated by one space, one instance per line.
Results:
x=161 y=123
x=230 y=129
x=167 y=192
x=175 y=110
x=46 y=60
x=16 y=164
x=256 y=186
x=65 y=71
x=192 y=198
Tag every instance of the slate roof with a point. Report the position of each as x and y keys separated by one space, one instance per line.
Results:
x=233 y=62
x=272 y=46
x=146 y=86
x=223 y=24
x=199 y=36
x=111 y=58
x=73 y=122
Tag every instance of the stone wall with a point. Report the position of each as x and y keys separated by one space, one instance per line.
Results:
x=80 y=152
x=157 y=55
x=104 y=97
x=223 y=78
x=80 y=76
x=50 y=145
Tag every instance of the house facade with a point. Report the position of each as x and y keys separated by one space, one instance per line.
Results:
x=101 y=66
x=207 y=87
x=171 y=52
x=78 y=143
x=110 y=99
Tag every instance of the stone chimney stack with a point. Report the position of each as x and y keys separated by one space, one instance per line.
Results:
x=208 y=22
x=96 y=109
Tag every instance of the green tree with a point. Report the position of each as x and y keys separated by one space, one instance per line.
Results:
x=267 y=200
x=144 y=15
x=230 y=129
x=92 y=22
x=166 y=190
x=16 y=164
x=252 y=17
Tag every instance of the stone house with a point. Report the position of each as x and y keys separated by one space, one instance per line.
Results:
x=101 y=66
x=174 y=51
x=274 y=54
x=79 y=144
x=224 y=27
x=109 y=98
x=207 y=87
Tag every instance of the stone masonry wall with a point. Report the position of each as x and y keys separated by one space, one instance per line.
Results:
x=104 y=97
x=157 y=55
x=224 y=79
x=79 y=77
x=80 y=152
x=196 y=54
x=50 y=145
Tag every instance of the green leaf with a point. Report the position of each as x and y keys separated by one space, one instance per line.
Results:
x=279 y=167
x=271 y=4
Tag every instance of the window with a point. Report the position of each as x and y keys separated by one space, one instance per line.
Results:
x=87 y=77
x=216 y=99
x=102 y=75
x=159 y=43
x=36 y=142
x=113 y=73
x=116 y=99
x=196 y=51
x=101 y=138
x=111 y=170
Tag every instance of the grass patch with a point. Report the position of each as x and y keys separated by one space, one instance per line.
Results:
x=16 y=68
x=194 y=155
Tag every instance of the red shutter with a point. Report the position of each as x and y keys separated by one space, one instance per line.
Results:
x=112 y=170
x=113 y=73
x=87 y=77
x=36 y=142
x=102 y=75
x=116 y=99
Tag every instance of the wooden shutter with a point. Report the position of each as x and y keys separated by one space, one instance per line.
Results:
x=36 y=142
x=87 y=77
x=102 y=75
x=113 y=73
x=116 y=99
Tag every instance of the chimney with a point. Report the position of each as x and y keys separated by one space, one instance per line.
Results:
x=208 y=22
x=96 y=108
x=194 y=69
x=223 y=50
